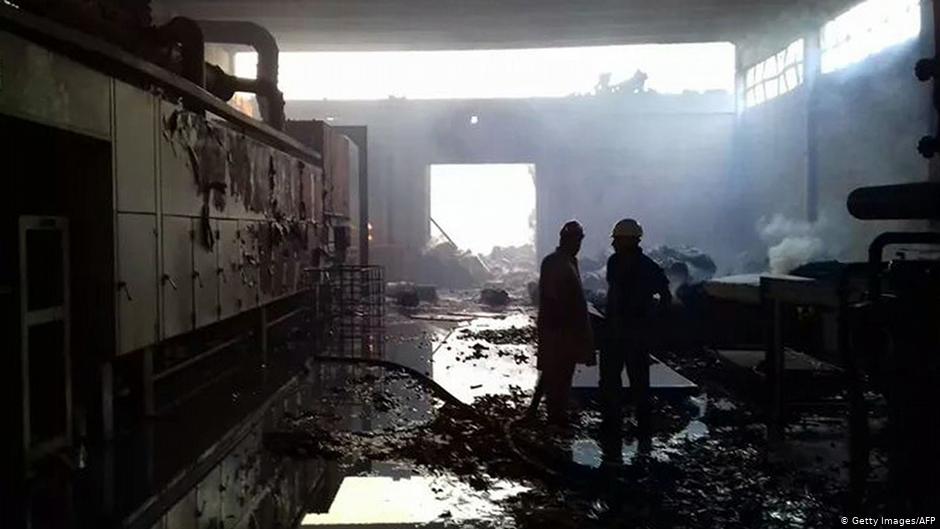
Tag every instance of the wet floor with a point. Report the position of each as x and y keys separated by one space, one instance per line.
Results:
x=472 y=464
x=351 y=445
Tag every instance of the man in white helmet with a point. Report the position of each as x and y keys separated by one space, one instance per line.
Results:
x=634 y=283
x=564 y=331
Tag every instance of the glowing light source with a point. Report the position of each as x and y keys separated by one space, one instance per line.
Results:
x=774 y=76
x=506 y=192
x=481 y=74
x=866 y=29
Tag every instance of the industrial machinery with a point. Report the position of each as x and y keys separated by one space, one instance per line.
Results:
x=154 y=237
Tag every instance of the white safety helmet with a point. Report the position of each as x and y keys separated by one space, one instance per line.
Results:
x=627 y=228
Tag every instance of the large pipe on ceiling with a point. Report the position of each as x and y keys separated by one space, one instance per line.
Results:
x=271 y=100
x=188 y=35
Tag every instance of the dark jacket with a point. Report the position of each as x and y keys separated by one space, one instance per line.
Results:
x=632 y=282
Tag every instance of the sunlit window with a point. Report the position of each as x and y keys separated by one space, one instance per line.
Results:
x=775 y=76
x=866 y=29
x=519 y=73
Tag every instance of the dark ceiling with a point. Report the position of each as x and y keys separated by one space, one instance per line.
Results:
x=456 y=24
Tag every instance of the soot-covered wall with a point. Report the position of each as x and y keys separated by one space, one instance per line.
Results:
x=664 y=159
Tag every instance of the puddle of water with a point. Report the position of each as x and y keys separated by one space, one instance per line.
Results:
x=589 y=452
x=467 y=368
x=395 y=494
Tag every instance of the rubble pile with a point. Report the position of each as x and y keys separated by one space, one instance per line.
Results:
x=447 y=266
x=513 y=265
x=701 y=267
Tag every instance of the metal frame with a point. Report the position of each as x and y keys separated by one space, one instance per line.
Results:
x=37 y=317
x=348 y=303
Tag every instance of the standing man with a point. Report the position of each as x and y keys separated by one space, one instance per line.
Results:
x=564 y=331
x=634 y=282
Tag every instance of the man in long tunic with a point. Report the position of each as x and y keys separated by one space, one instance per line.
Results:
x=564 y=331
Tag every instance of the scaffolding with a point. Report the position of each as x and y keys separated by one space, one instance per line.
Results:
x=348 y=305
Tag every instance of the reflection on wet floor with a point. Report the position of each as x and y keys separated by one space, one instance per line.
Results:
x=381 y=447
x=396 y=494
x=467 y=369
x=414 y=444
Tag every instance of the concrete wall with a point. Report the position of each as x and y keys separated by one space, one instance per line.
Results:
x=866 y=120
x=664 y=159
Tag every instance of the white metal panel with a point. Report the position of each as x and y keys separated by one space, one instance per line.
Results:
x=206 y=275
x=177 y=280
x=134 y=149
x=178 y=183
x=232 y=288
x=137 y=297
x=38 y=84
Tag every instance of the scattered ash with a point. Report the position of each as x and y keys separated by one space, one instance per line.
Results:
x=508 y=336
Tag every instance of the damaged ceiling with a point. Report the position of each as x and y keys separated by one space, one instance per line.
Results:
x=464 y=24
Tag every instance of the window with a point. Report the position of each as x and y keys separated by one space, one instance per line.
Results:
x=774 y=76
x=505 y=73
x=866 y=29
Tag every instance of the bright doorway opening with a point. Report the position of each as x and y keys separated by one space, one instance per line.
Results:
x=482 y=206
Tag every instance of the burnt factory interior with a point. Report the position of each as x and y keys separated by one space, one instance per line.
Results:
x=467 y=263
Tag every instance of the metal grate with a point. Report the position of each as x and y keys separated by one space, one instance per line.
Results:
x=349 y=310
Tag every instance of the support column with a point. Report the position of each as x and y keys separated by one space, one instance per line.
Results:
x=811 y=71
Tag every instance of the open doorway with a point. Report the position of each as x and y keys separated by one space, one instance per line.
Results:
x=482 y=206
x=487 y=210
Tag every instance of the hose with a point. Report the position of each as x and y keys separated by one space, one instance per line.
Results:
x=571 y=469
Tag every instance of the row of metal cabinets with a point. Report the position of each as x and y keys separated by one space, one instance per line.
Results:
x=170 y=283
x=169 y=279
x=164 y=157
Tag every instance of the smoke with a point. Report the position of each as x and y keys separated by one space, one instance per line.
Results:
x=792 y=243
x=793 y=252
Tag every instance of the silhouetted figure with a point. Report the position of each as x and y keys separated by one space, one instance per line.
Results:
x=564 y=331
x=634 y=281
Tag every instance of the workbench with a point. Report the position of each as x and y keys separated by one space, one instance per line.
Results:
x=772 y=293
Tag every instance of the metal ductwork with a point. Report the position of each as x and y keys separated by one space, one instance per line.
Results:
x=916 y=201
x=270 y=99
x=187 y=34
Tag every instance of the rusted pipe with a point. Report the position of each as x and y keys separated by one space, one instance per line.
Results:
x=271 y=101
x=187 y=34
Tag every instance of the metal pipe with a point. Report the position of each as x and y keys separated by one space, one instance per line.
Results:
x=876 y=253
x=187 y=33
x=902 y=201
x=259 y=38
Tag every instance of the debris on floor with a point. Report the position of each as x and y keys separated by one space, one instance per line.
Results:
x=494 y=297
x=708 y=465
x=408 y=298
x=512 y=335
